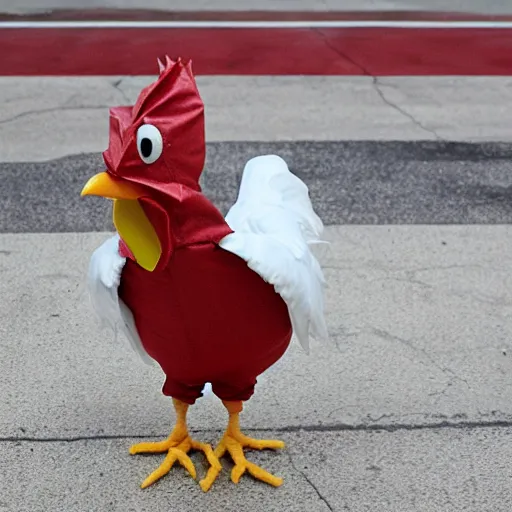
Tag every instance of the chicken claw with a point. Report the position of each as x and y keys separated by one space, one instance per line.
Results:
x=176 y=451
x=234 y=443
x=177 y=446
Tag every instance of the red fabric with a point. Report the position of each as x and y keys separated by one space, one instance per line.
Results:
x=207 y=318
x=202 y=313
x=181 y=217
x=174 y=106
x=124 y=251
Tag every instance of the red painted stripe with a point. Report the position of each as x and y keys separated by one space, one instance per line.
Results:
x=159 y=15
x=353 y=51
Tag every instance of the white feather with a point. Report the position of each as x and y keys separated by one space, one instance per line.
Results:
x=103 y=280
x=274 y=224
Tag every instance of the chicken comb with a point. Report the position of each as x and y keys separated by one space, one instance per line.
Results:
x=169 y=63
x=160 y=91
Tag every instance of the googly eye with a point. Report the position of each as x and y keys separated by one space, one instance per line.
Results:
x=149 y=143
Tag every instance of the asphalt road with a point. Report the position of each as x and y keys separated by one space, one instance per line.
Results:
x=350 y=183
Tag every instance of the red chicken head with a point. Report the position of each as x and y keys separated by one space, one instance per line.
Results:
x=156 y=151
x=161 y=139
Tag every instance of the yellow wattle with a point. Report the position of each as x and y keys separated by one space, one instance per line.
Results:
x=137 y=232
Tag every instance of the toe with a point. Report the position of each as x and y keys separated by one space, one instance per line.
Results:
x=209 y=454
x=263 y=444
x=237 y=472
x=174 y=455
x=258 y=444
x=264 y=476
x=161 y=471
x=159 y=447
x=215 y=465
x=210 y=478
x=184 y=460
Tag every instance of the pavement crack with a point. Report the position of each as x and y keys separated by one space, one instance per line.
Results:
x=334 y=427
x=341 y=54
x=440 y=394
x=29 y=113
x=407 y=280
x=310 y=482
x=117 y=86
x=381 y=417
x=444 y=369
x=377 y=86
x=402 y=111
x=387 y=336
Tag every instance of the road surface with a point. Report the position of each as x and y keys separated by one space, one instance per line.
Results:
x=409 y=410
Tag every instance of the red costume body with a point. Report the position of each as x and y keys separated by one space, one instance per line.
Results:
x=203 y=314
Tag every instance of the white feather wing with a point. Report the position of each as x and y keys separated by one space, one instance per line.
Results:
x=274 y=225
x=105 y=268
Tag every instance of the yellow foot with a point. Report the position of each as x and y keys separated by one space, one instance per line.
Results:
x=234 y=443
x=177 y=448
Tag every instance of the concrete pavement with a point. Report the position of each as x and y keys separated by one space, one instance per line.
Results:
x=44 y=118
x=409 y=410
x=478 y=6
x=420 y=319
x=435 y=470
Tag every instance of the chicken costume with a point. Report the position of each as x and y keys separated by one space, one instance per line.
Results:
x=211 y=299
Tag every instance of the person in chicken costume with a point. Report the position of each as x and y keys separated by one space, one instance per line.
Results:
x=212 y=300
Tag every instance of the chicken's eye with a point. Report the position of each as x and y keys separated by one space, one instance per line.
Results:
x=149 y=143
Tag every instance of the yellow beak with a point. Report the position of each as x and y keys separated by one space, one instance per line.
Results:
x=104 y=185
x=129 y=218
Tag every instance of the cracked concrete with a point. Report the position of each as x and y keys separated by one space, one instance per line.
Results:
x=376 y=85
x=452 y=470
x=424 y=354
x=400 y=109
x=410 y=359
x=409 y=409
x=310 y=482
x=70 y=115
x=433 y=101
x=42 y=112
x=116 y=84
